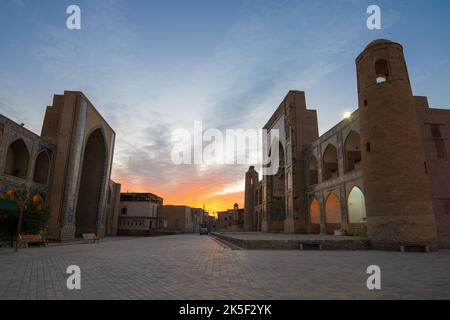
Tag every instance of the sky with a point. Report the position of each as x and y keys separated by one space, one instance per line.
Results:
x=151 y=67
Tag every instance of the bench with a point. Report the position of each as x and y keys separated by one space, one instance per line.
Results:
x=412 y=248
x=33 y=238
x=310 y=246
x=90 y=237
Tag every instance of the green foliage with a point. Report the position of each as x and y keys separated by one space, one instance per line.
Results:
x=35 y=218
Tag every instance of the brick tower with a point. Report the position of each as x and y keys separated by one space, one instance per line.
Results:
x=397 y=188
x=251 y=180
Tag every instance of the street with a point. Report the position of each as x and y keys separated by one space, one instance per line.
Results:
x=198 y=267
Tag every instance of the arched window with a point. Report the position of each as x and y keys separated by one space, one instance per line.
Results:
x=332 y=213
x=330 y=163
x=313 y=171
x=381 y=70
x=17 y=159
x=352 y=152
x=41 y=168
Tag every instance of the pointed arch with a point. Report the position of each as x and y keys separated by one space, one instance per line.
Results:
x=333 y=217
x=356 y=206
x=91 y=183
x=17 y=159
x=330 y=162
x=352 y=152
x=357 y=212
x=314 y=215
x=41 y=168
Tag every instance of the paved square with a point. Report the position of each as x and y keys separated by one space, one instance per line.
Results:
x=197 y=267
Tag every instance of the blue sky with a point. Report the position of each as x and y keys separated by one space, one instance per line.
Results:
x=152 y=66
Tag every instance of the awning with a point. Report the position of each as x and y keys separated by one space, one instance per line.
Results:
x=8 y=205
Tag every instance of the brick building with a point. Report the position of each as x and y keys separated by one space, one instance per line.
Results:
x=383 y=172
x=68 y=165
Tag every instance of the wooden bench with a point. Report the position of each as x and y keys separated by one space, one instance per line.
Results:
x=90 y=237
x=32 y=238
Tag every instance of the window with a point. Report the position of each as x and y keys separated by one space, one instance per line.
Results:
x=439 y=143
x=381 y=71
x=124 y=210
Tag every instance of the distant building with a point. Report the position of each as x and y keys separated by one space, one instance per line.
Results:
x=139 y=214
x=231 y=220
x=197 y=219
x=179 y=218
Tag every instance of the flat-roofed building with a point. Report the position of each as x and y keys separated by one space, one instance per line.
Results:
x=139 y=213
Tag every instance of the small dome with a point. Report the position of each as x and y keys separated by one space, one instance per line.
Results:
x=379 y=41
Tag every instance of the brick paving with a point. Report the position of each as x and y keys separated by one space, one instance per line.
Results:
x=198 y=267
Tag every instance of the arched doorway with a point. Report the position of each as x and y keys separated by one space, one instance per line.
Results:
x=333 y=218
x=352 y=152
x=330 y=163
x=356 y=212
x=314 y=216
x=91 y=184
x=41 y=168
x=17 y=159
x=313 y=171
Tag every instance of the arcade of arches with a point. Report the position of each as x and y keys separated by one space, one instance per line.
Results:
x=333 y=219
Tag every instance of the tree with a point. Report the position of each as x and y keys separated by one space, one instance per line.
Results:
x=35 y=216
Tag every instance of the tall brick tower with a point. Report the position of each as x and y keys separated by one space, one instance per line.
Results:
x=397 y=188
x=251 y=180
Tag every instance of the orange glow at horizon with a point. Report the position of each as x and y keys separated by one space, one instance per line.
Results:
x=192 y=195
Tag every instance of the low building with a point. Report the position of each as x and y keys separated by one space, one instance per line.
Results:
x=139 y=214
x=231 y=220
x=179 y=218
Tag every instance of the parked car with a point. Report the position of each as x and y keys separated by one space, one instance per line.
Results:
x=204 y=231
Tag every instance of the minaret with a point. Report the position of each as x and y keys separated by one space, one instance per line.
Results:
x=251 y=181
x=397 y=188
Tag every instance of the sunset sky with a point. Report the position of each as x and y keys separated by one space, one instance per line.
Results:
x=151 y=67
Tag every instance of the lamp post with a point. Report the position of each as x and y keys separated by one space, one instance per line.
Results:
x=21 y=205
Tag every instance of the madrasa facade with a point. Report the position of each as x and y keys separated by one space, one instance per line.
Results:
x=68 y=166
x=382 y=173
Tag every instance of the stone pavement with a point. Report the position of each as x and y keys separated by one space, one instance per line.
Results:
x=199 y=267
